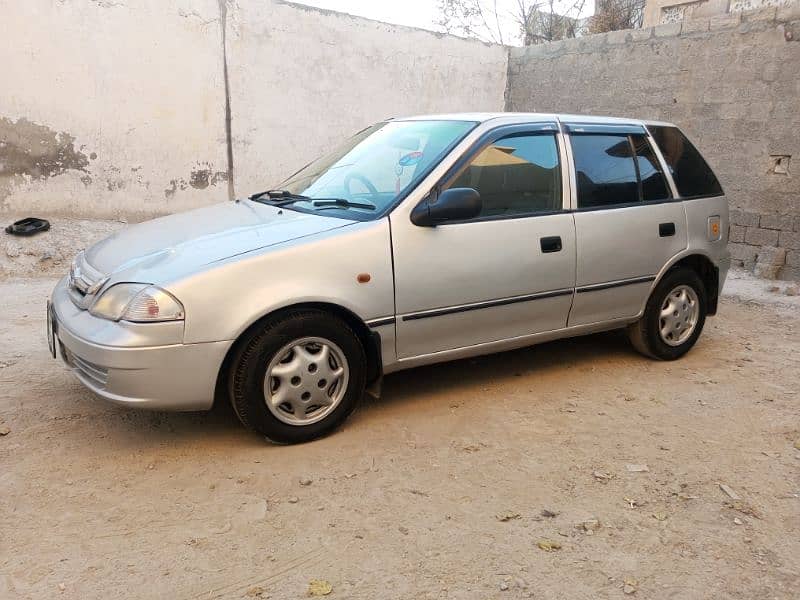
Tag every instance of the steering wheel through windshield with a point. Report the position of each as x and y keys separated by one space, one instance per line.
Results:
x=373 y=191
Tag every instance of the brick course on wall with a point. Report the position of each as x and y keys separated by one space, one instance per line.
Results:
x=731 y=82
x=769 y=245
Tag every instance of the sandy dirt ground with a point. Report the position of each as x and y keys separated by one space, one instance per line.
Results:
x=445 y=488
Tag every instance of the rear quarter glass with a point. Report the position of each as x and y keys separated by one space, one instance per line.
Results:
x=691 y=173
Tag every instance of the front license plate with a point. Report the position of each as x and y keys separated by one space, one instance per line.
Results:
x=52 y=329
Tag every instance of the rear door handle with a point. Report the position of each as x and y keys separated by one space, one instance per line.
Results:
x=551 y=243
x=666 y=229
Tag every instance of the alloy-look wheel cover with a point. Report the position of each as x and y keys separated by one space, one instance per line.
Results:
x=679 y=315
x=306 y=380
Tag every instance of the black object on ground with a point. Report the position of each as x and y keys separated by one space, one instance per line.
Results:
x=28 y=226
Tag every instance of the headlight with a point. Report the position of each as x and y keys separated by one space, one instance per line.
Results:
x=137 y=302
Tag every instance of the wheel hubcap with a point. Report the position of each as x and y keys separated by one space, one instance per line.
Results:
x=679 y=315
x=306 y=380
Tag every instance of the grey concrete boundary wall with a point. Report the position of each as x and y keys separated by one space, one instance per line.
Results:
x=123 y=109
x=731 y=82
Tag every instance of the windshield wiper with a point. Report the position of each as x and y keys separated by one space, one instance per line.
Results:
x=334 y=202
x=283 y=197
x=278 y=197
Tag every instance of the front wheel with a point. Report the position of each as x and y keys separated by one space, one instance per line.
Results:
x=673 y=318
x=298 y=376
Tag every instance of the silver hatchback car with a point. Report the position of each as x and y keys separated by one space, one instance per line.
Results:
x=418 y=240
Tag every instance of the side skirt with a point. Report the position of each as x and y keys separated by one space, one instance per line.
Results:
x=503 y=345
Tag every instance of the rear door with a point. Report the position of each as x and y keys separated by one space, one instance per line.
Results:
x=627 y=223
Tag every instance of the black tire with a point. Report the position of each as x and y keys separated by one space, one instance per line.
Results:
x=645 y=333
x=259 y=347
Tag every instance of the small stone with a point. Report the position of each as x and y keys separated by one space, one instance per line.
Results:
x=507 y=516
x=633 y=503
x=255 y=592
x=548 y=545
x=293 y=500
x=503 y=587
x=729 y=492
x=62 y=587
x=403 y=530
x=589 y=525
x=637 y=468
x=660 y=516
x=797 y=444
x=743 y=508
x=4 y=430
x=630 y=585
x=305 y=481
x=601 y=476
x=738 y=521
x=549 y=513
x=319 y=587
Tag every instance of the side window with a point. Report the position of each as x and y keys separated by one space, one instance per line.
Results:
x=693 y=177
x=605 y=171
x=654 y=186
x=519 y=174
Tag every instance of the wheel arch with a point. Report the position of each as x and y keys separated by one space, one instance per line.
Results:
x=370 y=340
x=706 y=270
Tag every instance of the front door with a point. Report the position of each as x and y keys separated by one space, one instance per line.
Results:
x=627 y=224
x=509 y=272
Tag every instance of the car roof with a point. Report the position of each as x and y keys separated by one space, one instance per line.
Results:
x=482 y=117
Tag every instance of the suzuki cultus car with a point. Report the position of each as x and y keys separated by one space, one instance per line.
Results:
x=417 y=241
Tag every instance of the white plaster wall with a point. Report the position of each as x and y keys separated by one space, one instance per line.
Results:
x=139 y=86
x=302 y=78
x=136 y=82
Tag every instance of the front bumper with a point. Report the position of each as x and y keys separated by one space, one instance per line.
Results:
x=175 y=376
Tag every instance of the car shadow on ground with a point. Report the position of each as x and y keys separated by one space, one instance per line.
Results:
x=464 y=376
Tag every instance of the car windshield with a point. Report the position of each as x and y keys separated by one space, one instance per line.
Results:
x=367 y=174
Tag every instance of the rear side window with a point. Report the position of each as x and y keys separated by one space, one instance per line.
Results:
x=516 y=175
x=693 y=177
x=654 y=186
x=605 y=170
x=617 y=169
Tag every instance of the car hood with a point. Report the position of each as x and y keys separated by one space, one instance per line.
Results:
x=195 y=238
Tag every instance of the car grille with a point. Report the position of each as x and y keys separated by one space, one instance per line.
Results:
x=96 y=374
x=84 y=282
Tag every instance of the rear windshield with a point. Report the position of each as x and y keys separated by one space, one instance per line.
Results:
x=693 y=177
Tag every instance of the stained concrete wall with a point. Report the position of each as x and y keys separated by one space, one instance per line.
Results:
x=731 y=82
x=119 y=108
x=110 y=108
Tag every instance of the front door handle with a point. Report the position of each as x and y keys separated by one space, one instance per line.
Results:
x=551 y=243
x=666 y=229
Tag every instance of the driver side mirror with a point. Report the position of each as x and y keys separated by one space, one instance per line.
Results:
x=455 y=204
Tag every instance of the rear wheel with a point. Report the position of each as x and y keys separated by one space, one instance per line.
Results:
x=673 y=318
x=298 y=376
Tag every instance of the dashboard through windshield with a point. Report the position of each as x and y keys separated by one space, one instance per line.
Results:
x=368 y=174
